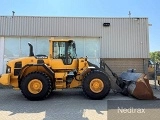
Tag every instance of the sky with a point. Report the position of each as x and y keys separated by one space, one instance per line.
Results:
x=90 y=8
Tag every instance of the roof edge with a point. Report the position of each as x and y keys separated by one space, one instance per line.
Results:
x=80 y=17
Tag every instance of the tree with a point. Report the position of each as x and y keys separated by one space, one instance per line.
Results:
x=155 y=56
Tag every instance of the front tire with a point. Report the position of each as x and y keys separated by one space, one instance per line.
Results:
x=96 y=85
x=36 y=86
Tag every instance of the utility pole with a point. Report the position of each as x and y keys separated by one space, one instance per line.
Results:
x=13 y=13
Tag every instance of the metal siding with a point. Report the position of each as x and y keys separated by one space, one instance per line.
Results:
x=124 y=38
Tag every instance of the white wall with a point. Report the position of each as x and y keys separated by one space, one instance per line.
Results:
x=1 y=53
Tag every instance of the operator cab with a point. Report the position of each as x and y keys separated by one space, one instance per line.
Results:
x=65 y=50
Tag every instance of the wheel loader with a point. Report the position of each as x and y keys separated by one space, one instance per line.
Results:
x=38 y=75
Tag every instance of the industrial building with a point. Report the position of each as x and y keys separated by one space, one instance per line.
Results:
x=122 y=42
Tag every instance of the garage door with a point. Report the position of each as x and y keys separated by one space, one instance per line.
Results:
x=16 y=47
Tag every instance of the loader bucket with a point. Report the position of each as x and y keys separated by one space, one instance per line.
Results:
x=132 y=83
x=137 y=85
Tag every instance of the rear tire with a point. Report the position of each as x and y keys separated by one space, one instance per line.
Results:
x=96 y=85
x=36 y=86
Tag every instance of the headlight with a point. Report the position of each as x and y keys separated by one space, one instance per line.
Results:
x=8 y=69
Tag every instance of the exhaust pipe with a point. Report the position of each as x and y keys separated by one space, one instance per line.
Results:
x=30 y=50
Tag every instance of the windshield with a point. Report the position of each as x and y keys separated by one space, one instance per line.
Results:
x=72 y=50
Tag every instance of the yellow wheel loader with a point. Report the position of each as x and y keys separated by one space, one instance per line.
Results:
x=37 y=75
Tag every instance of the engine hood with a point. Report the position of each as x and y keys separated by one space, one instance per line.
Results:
x=23 y=60
x=20 y=62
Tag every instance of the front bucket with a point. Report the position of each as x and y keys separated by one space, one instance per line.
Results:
x=138 y=85
x=143 y=89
